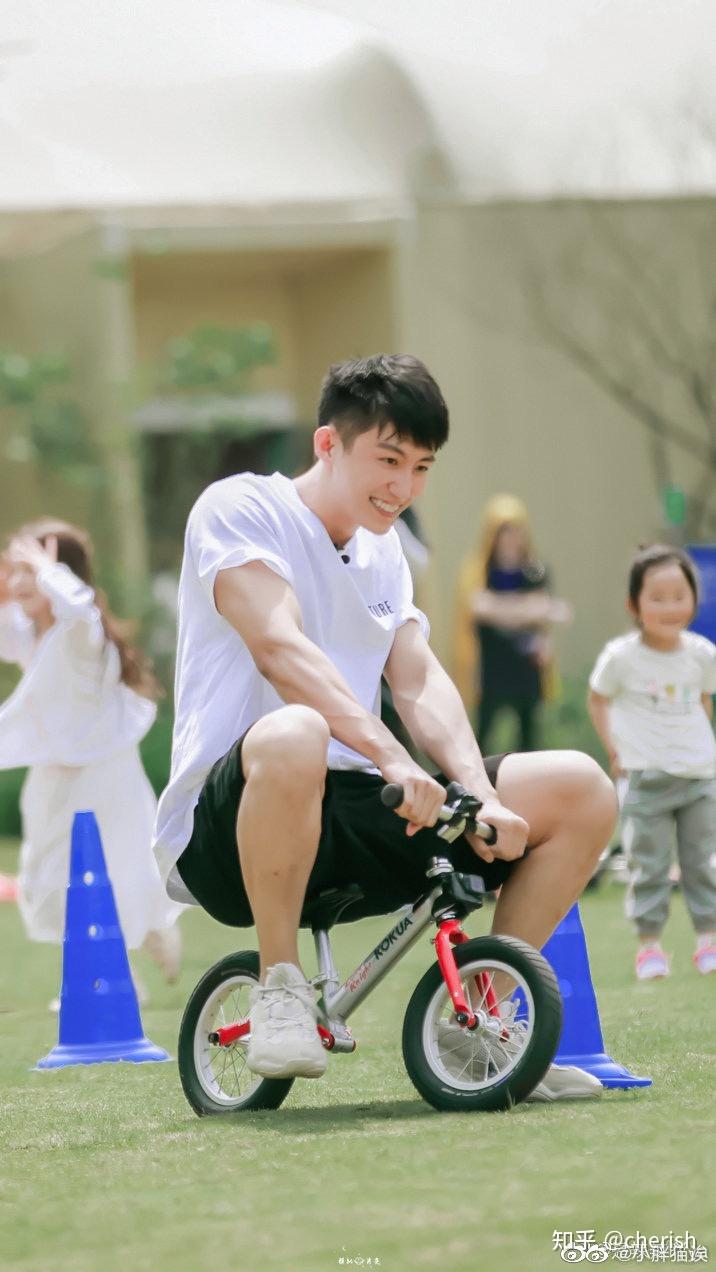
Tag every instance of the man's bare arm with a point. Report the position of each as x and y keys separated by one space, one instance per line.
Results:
x=432 y=711
x=430 y=706
x=264 y=610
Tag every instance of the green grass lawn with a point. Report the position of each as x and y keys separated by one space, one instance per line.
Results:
x=107 y=1167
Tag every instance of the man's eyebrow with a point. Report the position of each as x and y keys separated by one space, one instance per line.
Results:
x=392 y=446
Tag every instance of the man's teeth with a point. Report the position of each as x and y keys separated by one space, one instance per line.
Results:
x=385 y=507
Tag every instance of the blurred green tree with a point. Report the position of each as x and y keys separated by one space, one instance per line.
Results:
x=47 y=425
x=218 y=359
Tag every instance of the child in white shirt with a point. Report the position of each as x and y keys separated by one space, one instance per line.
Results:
x=651 y=704
x=75 y=719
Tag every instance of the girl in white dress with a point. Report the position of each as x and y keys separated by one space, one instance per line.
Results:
x=75 y=719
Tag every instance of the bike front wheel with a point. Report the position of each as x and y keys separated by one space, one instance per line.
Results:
x=215 y=1078
x=514 y=994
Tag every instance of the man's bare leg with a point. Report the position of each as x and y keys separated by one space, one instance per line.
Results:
x=571 y=809
x=279 y=823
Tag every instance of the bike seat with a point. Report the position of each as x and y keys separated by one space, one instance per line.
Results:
x=322 y=911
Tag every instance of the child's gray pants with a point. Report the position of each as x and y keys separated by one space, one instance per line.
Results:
x=655 y=806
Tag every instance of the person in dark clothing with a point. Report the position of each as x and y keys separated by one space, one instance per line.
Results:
x=504 y=653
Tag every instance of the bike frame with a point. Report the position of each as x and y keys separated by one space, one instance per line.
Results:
x=338 y=1001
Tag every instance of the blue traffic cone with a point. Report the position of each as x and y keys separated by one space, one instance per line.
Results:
x=581 y=1042
x=99 y=1014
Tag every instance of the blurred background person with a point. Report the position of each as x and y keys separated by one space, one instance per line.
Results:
x=75 y=719
x=504 y=657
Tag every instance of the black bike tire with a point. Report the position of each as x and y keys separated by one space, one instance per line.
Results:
x=539 y=1052
x=270 y=1093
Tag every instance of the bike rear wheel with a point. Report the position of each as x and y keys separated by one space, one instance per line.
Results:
x=501 y=1061
x=216 y=1079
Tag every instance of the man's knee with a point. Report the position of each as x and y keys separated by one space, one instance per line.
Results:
x=568 y=791
x=290 y=744
x=560 y=792
x=585 y=791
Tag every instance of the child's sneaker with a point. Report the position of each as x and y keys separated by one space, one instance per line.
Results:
x=705 y=959
x=284 y=1041
x=651 y=963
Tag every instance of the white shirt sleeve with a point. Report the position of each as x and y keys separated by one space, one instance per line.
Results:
x=408 y=610
x=222 y=534
x=73 y=603
x=17 y=634
x=605 y=678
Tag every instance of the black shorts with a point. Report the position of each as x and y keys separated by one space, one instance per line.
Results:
x=361 y=842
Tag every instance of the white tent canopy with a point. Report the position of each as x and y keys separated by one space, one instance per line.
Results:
x=247 y=102
x=542 y=98
x=181 y=103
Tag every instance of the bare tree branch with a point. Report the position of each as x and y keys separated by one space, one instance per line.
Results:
x=654 y=420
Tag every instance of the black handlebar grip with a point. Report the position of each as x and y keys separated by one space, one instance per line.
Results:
x=391 y=795
x=492 y=838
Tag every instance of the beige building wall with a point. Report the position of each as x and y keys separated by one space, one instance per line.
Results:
x=524 y=419
x=322 y=305
x=47 y=306
x=174 y=293
x=343 y=308
x=450 y=286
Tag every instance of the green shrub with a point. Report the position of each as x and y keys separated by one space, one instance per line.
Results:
x=10 y=785
x=156 y=748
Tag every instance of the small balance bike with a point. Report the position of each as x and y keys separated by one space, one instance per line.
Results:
x=481 y=1027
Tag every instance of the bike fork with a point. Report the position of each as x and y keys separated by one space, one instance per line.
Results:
x=450 y=933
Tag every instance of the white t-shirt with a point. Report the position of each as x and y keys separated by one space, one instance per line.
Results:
x=70 y=706
x=349 y=609
x=656 y=716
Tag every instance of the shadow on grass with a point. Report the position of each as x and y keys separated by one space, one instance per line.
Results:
x=324 y=1119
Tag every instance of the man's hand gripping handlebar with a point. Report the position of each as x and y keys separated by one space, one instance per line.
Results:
x=458 y=814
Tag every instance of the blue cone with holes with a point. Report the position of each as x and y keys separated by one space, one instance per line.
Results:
x=581 y=1042
x=99 y=1014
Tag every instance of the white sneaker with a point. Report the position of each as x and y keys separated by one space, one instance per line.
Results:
x=284 y=1041
x=565 y=1082
x=476 y=1055
x=464 y=1053
x=165 y=948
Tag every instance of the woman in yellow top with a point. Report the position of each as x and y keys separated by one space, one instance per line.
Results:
x=503 y=654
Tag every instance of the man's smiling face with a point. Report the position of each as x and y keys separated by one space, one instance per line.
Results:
x=378 y=476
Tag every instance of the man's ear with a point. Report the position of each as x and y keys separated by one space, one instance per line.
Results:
x=324 y=441
x=632 y=610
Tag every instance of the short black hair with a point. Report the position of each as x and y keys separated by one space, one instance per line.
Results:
x=660 y=554
x=388 y=388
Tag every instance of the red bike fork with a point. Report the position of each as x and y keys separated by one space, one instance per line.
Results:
x=450 y=933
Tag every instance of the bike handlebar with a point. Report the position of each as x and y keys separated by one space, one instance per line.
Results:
x=463 y=809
